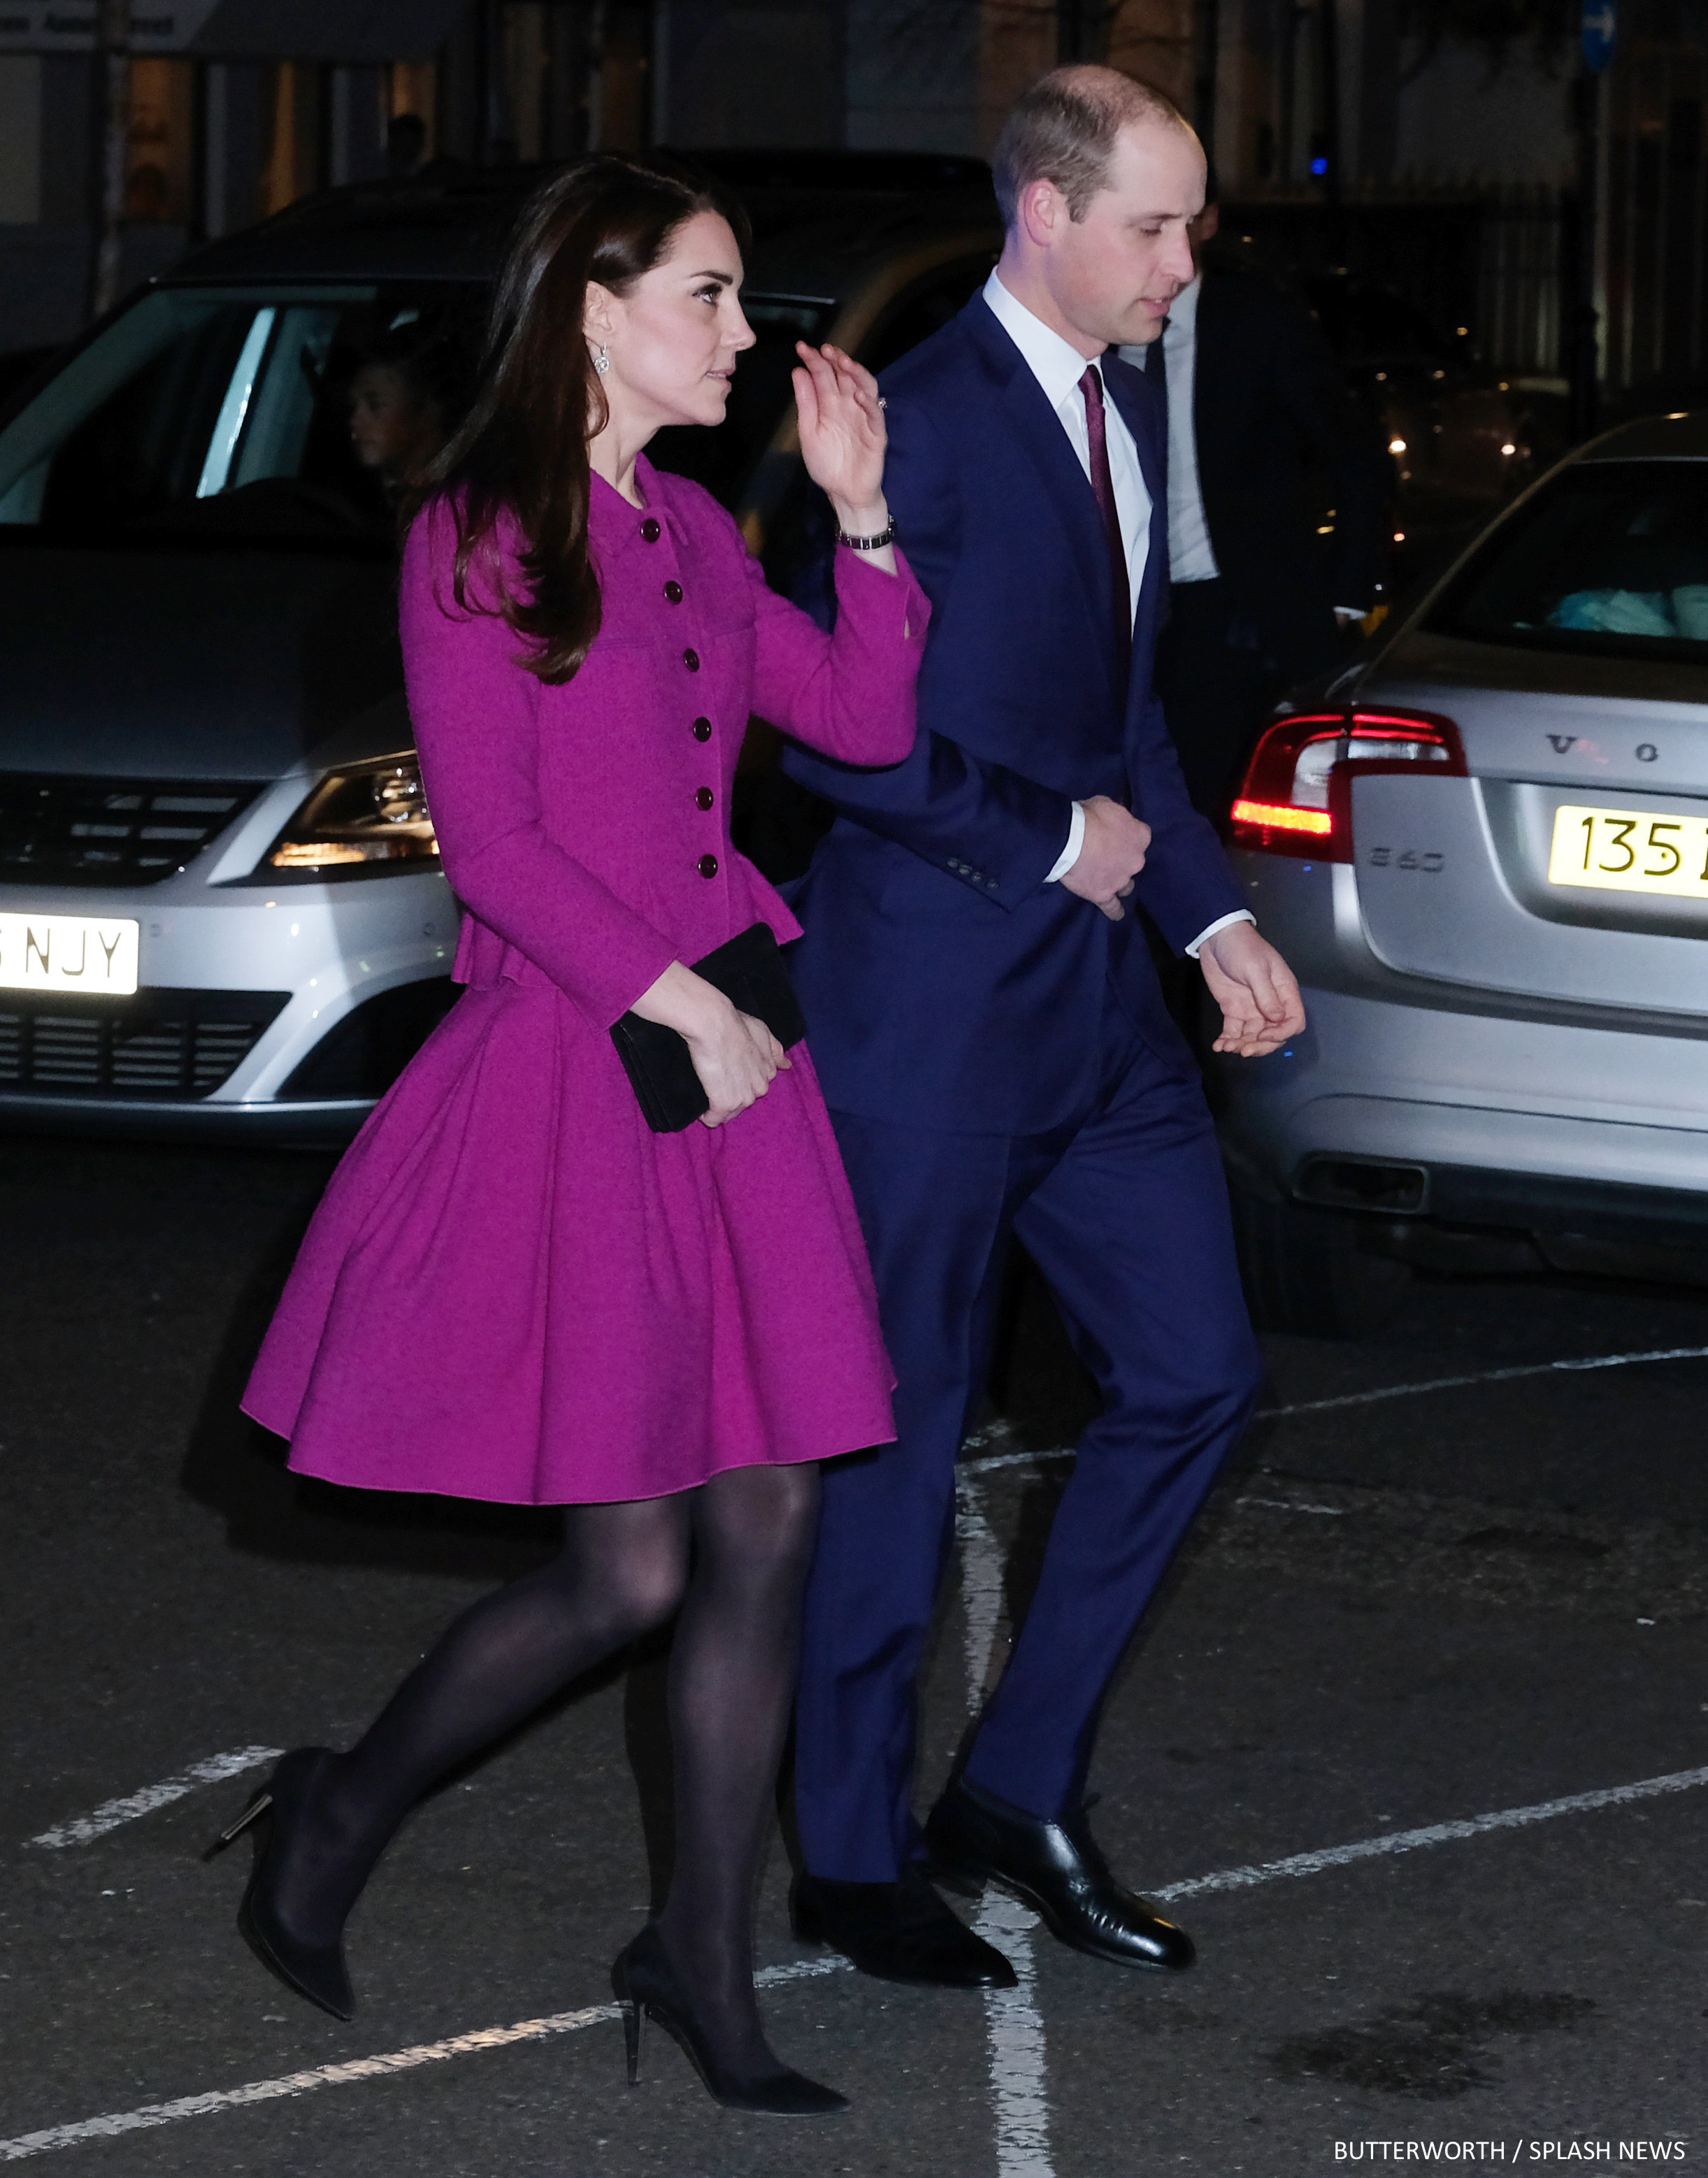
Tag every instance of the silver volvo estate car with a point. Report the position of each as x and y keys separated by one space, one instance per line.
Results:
x=1486 y=856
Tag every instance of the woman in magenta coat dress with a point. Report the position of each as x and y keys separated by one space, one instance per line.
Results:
x=660 y=1333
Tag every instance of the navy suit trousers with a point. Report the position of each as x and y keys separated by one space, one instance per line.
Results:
x=1125 y=1212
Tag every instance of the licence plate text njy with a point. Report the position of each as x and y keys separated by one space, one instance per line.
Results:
x=69 y=953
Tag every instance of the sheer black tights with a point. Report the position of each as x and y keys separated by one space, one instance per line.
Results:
x=732 y=1682
x=624 y=1568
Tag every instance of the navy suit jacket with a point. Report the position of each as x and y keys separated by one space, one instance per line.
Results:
x=946 y=984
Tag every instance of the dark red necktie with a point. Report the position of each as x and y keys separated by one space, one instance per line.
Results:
x=1103 y=487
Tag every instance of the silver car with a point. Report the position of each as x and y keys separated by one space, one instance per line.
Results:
x=220 y=893
x=221 y=911
x=1486 y=856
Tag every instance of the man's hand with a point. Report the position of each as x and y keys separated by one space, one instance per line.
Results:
x=1111 y=855
x=1255 y=988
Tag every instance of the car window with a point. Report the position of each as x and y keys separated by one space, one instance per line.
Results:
x=1612 y=556
x=798 y=530
x=225 y=418
x=925 y=309
x=722 y=458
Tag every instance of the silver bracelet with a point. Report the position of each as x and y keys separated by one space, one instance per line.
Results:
x=885 y=536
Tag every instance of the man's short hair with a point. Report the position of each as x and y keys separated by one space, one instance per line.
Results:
x=1064 y=130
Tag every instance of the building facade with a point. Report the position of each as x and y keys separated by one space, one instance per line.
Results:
x=1365 y=132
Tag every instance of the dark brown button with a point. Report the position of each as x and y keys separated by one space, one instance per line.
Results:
x=707 y=866
x=704 y=798
x=690 y=659
x=651 y=529
x=703 y=730
x=673 y=591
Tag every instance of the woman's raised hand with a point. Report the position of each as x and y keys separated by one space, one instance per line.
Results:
x=842 y=435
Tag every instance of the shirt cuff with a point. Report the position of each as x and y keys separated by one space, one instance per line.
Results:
x=1222 y=922
x=1070 y=853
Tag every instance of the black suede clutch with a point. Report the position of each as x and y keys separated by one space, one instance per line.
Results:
x=749 y=971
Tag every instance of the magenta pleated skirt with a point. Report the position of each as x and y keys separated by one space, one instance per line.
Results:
x=513 y=1289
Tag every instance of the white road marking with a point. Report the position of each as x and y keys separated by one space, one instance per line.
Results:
x=1016 y=2027
x=1294 y=1505
x=570 y=2023
x=1483 y=1377
x=982 y=1463
x=356 y=2068
x=1013 y=2022
x=1013 y=1459
x=1503 y=1819
x=1018 y=2051
x=112 y=1812
x=980 y=1591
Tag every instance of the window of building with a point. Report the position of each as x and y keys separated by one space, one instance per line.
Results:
x=160 y=160
x=291 y=165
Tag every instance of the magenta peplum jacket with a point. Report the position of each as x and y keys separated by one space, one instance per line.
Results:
x=512 y=1289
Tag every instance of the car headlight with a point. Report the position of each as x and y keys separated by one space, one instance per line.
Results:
x=355 y=819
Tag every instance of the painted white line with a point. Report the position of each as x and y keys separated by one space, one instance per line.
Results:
x=112 y=1812
x=1013 y=1459
x=1483 y=1377
x=1294 y=1505
x=1065 y=1452
x=1013 y=2023
x=569 y=2022
x=296 y=2083
x=984 y=1462
x=1504 y=1818
x=980 y=1591
x=1018 y=2077
x=357 y=2068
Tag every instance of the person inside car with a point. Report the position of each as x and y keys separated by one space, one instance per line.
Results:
x=399 y=416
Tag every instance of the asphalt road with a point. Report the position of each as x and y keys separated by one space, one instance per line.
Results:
x=1415 y=1743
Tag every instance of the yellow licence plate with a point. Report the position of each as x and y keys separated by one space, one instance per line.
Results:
x=68 y=953
x=1629 y=851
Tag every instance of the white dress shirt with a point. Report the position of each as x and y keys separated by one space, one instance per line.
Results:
x=1059 y=367
x=1190 y=559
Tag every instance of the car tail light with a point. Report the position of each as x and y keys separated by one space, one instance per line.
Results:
x=1296 y=797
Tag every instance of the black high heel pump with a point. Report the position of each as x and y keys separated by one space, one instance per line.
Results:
x=315 y=1971
x=647 y=1988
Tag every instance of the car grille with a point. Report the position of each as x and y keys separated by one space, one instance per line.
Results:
x=160 y=1043
x=108 y=831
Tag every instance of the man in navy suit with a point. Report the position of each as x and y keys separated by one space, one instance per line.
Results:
x=998 y=1058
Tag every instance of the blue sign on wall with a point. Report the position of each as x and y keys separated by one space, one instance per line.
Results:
x=1600 y=26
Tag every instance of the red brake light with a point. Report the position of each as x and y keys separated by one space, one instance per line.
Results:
x=1281 y=816
x=1295 y=798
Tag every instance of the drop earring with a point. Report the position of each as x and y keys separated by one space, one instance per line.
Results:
x=601 y=362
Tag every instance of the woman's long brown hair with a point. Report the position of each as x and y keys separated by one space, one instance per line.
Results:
x=521 y=449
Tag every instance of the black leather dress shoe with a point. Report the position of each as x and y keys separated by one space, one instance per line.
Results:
x=898 y=1931
x=1056 y=1867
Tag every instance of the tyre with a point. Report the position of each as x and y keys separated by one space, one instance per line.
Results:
x=1312 y=1271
